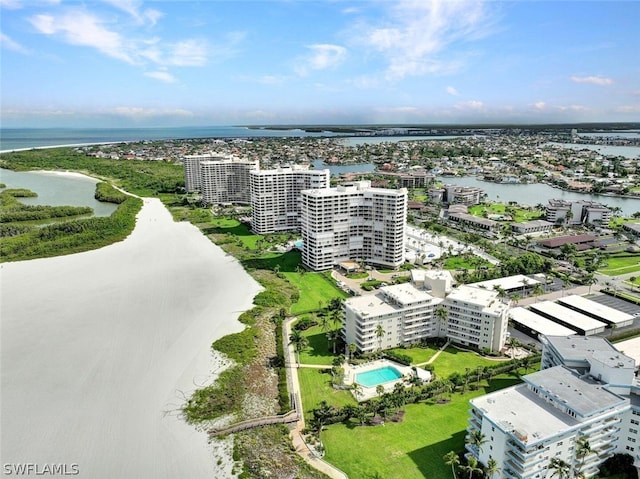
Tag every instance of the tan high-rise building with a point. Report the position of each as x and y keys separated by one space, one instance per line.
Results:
x=226 y=180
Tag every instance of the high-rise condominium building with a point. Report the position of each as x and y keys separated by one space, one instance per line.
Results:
x=582 y=408
x=226 y=180
x=353 y=222
x=275 y=196
x=192 y=174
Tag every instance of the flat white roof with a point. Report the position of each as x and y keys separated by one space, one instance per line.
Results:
x=487 y=299
x=606 y=313
x=406 y=294
x=507 y=283
x=370 y=305
x=519 y=409
x=539 y=323
x=569 y=316
x=630 y=347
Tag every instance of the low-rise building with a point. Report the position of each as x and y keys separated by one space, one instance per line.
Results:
x=581 y=408
x=406 y=314
x=533 y=226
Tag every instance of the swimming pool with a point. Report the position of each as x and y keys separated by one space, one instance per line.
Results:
x=374 y=377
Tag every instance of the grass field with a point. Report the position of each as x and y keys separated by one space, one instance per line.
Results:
x=413 y=448
x=315 y=386
x=465 y=262
x=417 y=355
x=320 y=350
x=315 y=289
x=518 y=214
x=623 y=264
x=454 y=360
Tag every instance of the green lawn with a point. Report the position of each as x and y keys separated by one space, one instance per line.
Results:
x=465 y=262
x=314 y=288
x=315 y=386
x=417 y=355
x=319 y=351
x=518 y=214
x=454 y=360
x=411 y=449
x=623 y=264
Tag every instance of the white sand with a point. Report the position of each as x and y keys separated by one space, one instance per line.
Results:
x=99 y=349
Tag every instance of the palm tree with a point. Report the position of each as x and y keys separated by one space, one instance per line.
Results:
x=472 y=466
x=452 y=459
x=583 y=449
x=477 y=439
x=380 y=332
x=441 y=314
x=299 y=342
x=561 y=468
x=513 y=343
x=492 y=468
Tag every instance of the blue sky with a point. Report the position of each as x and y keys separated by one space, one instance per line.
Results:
x=133 y=63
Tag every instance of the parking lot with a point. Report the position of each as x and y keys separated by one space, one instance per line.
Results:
x=617 y=303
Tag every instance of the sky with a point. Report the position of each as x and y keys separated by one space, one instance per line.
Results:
x=134 y=63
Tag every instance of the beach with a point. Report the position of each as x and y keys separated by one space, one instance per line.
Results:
x=99 y=351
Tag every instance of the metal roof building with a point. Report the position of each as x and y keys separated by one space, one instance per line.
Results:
x=583 y=324
x=597 y=311
x=533 y=324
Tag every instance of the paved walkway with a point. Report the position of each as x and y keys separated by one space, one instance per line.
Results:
x=297 y=438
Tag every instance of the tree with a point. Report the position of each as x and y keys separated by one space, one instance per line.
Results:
x=476 y=439
x=380 y=332
x=513 y=343
x=352 y=350
x=492 y=468
x=560 y=468
x=583 y=449
x=441 y=314
x=452 y=459
x=299 y=342
x=472 y=466
x=322 y=413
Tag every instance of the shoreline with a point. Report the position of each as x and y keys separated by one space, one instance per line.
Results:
x=119 y=339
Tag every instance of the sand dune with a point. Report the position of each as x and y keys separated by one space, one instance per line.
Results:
x=99 y=349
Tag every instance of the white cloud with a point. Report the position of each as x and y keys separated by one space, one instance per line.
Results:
x=161 y=75
x=452 y=91
x=134 y=8
x=474 y=105
x=11 y=4
x=540 y=105
x=628 y=109
x=8 y=43
x=322 y=56
x=80 y=28
x=418 y=32
x=138 y=112
x=593 y=80
x=188 y=53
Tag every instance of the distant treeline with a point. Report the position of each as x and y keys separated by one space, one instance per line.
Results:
x=144 y=178
x=72 y=236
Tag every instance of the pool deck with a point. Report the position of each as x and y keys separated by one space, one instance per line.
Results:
x=366 y=393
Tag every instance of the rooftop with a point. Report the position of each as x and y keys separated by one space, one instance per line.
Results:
x=568 y=316
x=507 y=283
x=583 y=395
x=579 y=348
x=538 y=323
x=602 y=311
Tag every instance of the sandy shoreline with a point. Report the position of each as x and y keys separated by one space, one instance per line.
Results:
x=99 y=349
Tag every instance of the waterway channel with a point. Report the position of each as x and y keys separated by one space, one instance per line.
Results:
x=57 y=189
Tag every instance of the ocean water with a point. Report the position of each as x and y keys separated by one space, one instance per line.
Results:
x=25 y=138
